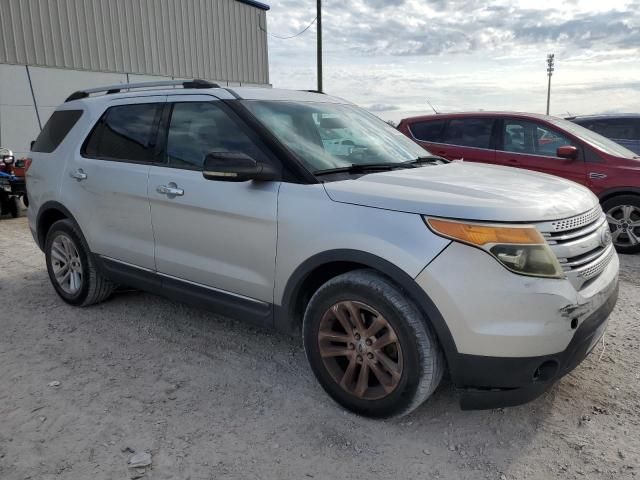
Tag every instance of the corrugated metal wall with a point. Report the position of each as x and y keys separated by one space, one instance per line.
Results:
x=210 y=39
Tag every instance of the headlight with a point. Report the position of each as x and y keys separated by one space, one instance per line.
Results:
x=521 y=249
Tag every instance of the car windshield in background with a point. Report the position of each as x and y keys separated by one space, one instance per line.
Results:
x=328 y=136
x=594 y=139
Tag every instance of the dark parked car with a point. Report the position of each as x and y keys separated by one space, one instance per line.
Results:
x=546 y=144
x=623 y=129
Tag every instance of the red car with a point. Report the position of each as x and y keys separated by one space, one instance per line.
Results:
x=546 y=144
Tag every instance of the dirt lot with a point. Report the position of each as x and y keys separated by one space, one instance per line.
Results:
x=211 y=398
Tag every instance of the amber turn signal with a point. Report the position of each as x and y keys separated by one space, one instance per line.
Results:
x=478 y=234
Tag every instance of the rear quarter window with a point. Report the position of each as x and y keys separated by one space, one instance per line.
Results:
x=55 y=130
x=428 y=131
x=469 y=132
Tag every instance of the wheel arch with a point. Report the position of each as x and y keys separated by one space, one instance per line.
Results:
x=616 y=192
x=318 y=269
x=49 y=213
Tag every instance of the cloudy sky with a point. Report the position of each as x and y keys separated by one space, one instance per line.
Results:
x=391 y=56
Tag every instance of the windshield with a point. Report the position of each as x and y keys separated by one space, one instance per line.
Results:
x=327 y=135
x=594 y=139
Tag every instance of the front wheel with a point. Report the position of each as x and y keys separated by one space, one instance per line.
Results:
x=370 y=347
x=623 y=216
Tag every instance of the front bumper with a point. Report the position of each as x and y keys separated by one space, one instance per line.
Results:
x=514 y=335
x=492 y=382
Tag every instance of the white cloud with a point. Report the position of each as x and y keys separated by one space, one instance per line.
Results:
x=464 y=54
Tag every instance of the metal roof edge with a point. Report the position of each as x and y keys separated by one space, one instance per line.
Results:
x=253 y=3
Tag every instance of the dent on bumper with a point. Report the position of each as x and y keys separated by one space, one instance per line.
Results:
x=493 y=312
x=490 y=382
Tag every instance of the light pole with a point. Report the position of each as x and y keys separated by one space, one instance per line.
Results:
x=319 y=42
x=549 y=73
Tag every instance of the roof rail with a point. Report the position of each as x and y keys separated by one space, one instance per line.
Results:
x=197 y=83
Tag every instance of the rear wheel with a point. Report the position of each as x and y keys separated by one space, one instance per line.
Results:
x=71 y=268
x=623 y=215
x=370 y=347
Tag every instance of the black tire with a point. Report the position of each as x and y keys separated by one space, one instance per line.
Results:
x=422 y=359
x=14 y=207
x=94 y=287
x=622 y=232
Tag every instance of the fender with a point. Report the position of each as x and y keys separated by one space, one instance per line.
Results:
x=285 y=312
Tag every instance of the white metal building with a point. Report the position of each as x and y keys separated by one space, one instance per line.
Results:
x=49 y=49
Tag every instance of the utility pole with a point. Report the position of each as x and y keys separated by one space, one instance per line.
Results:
x=319 y=41
x=549 y=73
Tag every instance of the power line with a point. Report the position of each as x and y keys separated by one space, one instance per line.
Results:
x=291 y=36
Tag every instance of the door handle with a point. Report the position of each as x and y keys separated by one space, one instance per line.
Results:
x=513 y=161
x=78 y=174
x=170 y=190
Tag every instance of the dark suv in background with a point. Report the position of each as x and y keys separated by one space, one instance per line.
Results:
x=545 y=144
x=623 y=129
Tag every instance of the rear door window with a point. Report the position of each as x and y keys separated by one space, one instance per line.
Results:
x=428 y=131
x=469 y=132
x=55 y=130
x=125 y=133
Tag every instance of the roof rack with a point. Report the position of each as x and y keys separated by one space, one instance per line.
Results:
x=110 y=89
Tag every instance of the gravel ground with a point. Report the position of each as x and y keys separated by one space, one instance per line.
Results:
x=212 y=398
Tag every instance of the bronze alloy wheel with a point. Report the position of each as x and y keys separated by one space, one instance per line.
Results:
x=360 y=350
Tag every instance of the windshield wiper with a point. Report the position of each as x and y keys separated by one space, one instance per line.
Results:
x=362 y=168
x=428 y=159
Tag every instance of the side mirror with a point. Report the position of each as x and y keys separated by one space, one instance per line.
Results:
x=236 y=167
x=567 y=151
x=33 y=142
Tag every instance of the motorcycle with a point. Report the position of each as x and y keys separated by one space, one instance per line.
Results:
x=12 y=187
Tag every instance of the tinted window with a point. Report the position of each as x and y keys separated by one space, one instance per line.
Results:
x=620 y=128
x=469 y=132
x=521 y=136
x=428 y=131
x=199 y=128
x=126 y=132
x=55 y=130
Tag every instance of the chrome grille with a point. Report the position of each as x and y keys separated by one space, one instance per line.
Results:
x=581 y=243
x=596 y=268
x=576 y=222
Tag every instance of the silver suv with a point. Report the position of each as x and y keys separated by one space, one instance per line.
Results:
x=394 y=264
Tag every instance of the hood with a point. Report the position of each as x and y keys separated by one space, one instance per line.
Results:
x=468 y=191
